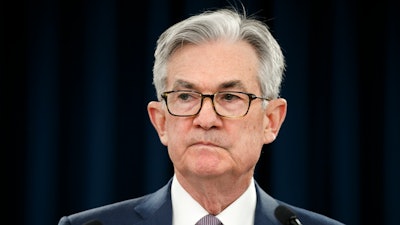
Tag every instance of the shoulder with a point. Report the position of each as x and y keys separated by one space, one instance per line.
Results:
x=114 y=211
x=266 y=206
x=309 y=217
x=123 y=212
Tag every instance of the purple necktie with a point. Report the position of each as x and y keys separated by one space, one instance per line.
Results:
x=209 y=220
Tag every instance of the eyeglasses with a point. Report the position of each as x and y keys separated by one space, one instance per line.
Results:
x=231 y=104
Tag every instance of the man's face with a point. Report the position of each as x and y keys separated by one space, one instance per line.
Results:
x=207 y=145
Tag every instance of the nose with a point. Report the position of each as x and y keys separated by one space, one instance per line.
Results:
x=210 y=106
x=207 y=117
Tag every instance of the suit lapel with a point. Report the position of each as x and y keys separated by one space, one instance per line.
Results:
x=265 y=208
x=157 y=208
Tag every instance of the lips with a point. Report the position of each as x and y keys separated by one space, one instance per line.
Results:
x=205 y=145
x=207 y=141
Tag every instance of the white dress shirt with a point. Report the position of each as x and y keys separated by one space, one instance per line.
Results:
x=186 y=211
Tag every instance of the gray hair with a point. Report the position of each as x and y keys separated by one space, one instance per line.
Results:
x=224 y=24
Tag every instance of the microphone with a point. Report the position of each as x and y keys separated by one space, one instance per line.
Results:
x=286 y=216
x=93 y=222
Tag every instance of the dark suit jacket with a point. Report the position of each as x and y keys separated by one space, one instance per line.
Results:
x=156 y=209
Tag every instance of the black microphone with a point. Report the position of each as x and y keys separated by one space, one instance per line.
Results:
x=93 y=222
x=286 y=216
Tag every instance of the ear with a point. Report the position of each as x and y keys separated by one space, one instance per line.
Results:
x=275 y=113
x=157 y=117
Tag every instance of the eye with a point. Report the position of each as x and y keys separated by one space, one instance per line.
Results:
x=229 y=97
x=186 y=96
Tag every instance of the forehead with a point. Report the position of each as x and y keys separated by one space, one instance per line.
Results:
x=214 y=65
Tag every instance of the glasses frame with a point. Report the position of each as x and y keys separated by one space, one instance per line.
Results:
x=251 y=96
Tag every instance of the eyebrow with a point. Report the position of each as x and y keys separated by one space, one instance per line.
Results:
x=225 y=85
x=184 y=84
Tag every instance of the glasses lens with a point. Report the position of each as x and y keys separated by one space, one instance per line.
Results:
x=231 y=104
x=184 y=103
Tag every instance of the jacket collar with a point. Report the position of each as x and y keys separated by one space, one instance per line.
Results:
x=157 y=207
x=265 y=208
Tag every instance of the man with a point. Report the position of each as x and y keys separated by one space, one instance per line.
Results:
x=217 y=77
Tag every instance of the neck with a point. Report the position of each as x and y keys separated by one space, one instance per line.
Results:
x=216 y=193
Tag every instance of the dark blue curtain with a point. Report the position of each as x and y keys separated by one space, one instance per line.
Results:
x=75 y=79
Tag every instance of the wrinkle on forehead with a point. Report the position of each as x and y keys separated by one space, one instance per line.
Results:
x=237 y=84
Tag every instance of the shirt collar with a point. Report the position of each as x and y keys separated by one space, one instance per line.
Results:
x=188 y=211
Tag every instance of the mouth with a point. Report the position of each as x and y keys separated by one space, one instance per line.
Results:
x=207 y=142
x=205 y=145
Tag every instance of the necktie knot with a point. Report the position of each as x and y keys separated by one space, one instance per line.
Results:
x=209 y=220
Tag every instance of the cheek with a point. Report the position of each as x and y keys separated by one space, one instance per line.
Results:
x=253 y=139
x=175 y=135
x=176 y=126
x=254 y=129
